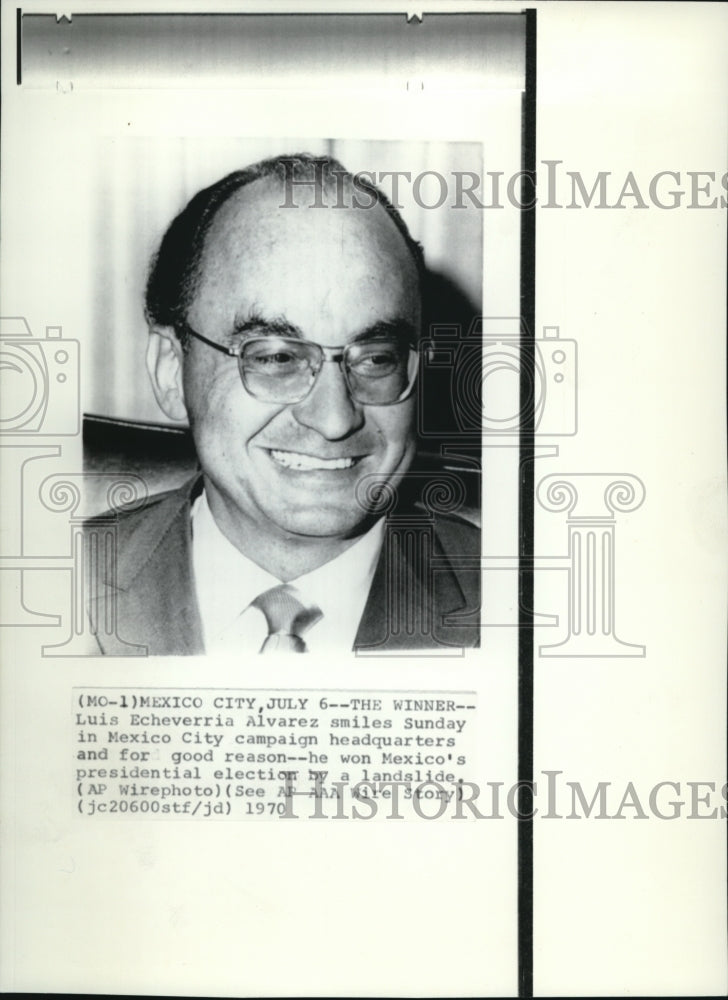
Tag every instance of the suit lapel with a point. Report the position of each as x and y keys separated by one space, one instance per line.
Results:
x=413 y=591
x=153 y=586
x=162 y=595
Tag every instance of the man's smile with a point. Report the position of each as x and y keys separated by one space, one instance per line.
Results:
x=304 y=463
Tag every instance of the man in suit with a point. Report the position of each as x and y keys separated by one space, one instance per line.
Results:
x=284 y=308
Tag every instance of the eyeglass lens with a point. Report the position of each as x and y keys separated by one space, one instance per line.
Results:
x=280 y=370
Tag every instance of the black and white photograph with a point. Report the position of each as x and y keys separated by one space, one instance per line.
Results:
x=307 y=495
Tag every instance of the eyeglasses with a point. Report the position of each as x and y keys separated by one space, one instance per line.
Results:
x=274 y=369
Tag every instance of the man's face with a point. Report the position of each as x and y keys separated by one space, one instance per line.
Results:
x=331 y=273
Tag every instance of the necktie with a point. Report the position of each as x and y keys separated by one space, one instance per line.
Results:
x=287 y=617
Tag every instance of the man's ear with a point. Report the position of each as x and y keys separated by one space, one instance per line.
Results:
x=165 y=363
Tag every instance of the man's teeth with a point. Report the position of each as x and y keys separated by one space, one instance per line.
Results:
x=292 y=460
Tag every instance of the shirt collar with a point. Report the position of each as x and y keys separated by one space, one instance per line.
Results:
x=227 y=581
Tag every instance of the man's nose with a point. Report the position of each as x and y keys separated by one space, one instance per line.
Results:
x=328 y=408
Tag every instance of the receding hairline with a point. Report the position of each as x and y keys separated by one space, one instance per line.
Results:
x=267 y=187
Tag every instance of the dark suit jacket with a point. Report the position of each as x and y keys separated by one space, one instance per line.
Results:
x=425 y=592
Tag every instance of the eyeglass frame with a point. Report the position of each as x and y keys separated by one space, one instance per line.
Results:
x=333 y=354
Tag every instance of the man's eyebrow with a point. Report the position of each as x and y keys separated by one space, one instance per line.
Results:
x=399 y=328
x=256 y=325
x=274 y=327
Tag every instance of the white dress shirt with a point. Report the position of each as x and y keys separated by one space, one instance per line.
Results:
x=226 y=582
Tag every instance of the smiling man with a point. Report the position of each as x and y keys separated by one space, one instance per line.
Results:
x=285 y=331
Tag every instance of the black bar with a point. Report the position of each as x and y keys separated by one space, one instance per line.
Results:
x=525 y=521
x=18 y=46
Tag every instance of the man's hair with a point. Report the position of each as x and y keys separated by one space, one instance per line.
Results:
x=174 y=271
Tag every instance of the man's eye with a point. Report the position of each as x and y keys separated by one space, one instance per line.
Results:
x=377 y=362
x=279 y=358
x=274 y=361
